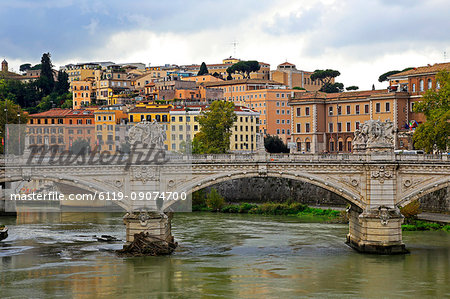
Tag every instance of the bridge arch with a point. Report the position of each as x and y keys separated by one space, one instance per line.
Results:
x=72 y=181
x=416 y=194
x=206 y=181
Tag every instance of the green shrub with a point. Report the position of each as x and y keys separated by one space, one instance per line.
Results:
x=230 y=209
x=214 y=200
x=246 y=207
x=446 y=228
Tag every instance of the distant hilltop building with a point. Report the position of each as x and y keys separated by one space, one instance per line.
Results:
x=287 y=74
x=6 y=74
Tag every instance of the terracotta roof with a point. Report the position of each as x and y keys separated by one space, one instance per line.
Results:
x=55 y=112
x=424 y=69
x=145 y=109
x=80 y=113
x=287 y=63
x=241 y=81
x=336 y=96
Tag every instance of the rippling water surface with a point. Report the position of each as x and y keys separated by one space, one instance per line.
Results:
x=220 y=256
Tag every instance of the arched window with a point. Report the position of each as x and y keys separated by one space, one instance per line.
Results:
x=308 y=145
x=421 y=85
x=430 y=84
x=331 y=145
x=349 y=144
x=299 y=144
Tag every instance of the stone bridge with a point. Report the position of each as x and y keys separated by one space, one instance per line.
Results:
x=375 y=185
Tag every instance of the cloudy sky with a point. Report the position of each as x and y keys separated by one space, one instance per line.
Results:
x=361 y=39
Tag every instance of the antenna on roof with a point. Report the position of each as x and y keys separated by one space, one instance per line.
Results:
x=445 y=56
x=234 y=43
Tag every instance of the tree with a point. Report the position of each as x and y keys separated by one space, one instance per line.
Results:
x=62 y=85
x=384 y=77
x=298 y=88
x=24 y=67
x=11 y=113
x=353 y=87
x=46 y=81
x=54 y=100
x=203 y=70
x=274 y=144
x=24 y=94
x=244 y=68
x=325 y=76
x=215 y=129
x=332 y=87
x=214 y=200
x=434 y=133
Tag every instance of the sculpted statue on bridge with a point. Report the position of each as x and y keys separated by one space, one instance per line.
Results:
x=147 y=134
x=374 y=136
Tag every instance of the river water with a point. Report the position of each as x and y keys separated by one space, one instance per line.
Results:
x=220 y=256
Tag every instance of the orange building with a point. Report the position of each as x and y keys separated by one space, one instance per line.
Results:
x=287 y=74
x=324 y=122
x=83 y=92
x=416 y=82
x=267 y=97
x=202 y=78
x=79 y=126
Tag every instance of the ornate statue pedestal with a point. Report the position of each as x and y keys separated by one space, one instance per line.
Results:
x=376 y=231
x=155 y=224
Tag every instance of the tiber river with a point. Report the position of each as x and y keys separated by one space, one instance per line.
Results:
x=220 y=256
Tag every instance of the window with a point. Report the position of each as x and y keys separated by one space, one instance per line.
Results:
x=388 y=107
x=174 y=146
x=339 y=110
x=348 y=109
x=79 y=121
x=366 y=108
x=298 y=128
x=278 y=104
x=330 y=127
x=438 y=84
x=339 y=127
x=174 y=137
x=357 y=109
x=421 y=85
x=330 y=110
x=307 y=111
x=357 y=125
x=298 y=111
x=348 y=124
x=331 y=146
x=278 y=121
x=377 y=107
x=278 y=111
x=278 y=131
x=414 y=87
x=307 y=129
x=412 y=107
x=430 y=84
x=172 y=118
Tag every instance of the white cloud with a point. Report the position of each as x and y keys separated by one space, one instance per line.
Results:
x=362 y=39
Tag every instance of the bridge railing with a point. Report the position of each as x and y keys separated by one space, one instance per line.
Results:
x=266 y=157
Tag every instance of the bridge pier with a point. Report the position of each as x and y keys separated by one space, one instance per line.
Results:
x=158 y=226
x=376 y=231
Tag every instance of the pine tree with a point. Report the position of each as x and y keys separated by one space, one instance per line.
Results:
x=203 y=70
x=46 y=80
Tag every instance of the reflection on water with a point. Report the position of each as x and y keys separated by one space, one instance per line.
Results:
x=226 y=256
